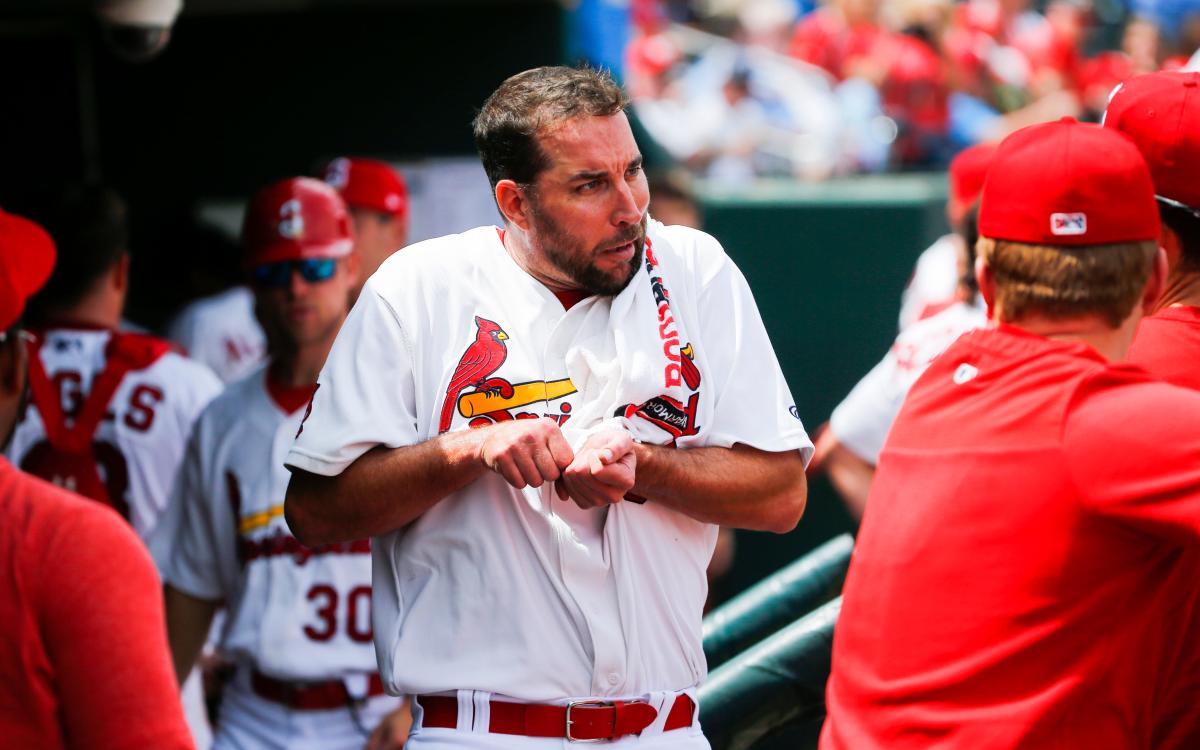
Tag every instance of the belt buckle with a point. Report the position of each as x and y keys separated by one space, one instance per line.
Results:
x=571 y=706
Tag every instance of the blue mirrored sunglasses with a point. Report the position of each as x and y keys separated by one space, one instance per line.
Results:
x=279 y=275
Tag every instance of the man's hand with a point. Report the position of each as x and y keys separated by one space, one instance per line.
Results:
x=526 y=452
x=392 y=730
x=602 y=472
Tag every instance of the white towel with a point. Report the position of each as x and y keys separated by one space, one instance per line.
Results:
x=635 y=366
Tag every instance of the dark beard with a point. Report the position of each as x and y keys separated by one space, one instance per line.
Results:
x=582 y=271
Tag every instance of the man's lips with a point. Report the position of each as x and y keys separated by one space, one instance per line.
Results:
x=620 y=252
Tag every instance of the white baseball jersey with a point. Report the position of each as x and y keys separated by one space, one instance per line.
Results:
x=222 y=332
x=293 y=613
x=139 y=431
x=934 y=283
x=861 y=422
x=509 y=591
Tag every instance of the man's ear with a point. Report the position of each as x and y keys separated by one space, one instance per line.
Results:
x=987 y=283
x=354 y=264
x=12 y=369
x=120 y=273
x=513 y=202
x=1169 y=241
x=1157 y=283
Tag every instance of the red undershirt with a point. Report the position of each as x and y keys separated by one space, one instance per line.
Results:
x=289 y=398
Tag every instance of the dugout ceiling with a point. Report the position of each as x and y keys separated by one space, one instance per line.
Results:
x=240 y=99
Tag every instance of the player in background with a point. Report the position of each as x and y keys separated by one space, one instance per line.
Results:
x=222 y=331
x=81 y=624
x=377 y=198
x=110 y=410
x=1011 y=582
x=298 y=620
x=934 y=285
x=848 y=448
x=1161 y=113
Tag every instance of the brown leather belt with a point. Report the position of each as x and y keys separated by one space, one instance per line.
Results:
x=311 y=696
x=581 y=721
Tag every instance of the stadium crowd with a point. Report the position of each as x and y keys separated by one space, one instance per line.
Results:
x=774 y=87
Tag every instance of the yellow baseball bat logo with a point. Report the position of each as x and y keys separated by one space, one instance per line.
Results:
x=482 y=402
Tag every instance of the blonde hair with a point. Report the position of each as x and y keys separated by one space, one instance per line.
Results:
x=1067 y=282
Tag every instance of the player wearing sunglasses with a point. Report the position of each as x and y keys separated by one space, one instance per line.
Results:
x=298 y=622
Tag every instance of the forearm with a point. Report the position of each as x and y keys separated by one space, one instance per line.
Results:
x=188 y=623
x=740 y=486
x=384 y=490
x=851 y=476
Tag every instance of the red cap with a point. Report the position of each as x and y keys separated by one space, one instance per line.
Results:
x=27 y=256
x=1068 y=183
x=368 y=183
x=967 y=172
x=1161 y=113
x=294 y=219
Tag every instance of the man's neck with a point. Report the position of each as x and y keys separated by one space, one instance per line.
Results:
x=516 y=244
x=94 y=312
x=300 y=366
x=1183 y=288
x=1110 y=343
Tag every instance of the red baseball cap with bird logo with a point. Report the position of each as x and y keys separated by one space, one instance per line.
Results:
x=368 y=183
x=295 y=219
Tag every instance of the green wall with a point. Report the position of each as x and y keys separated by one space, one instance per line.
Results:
x=827 y=263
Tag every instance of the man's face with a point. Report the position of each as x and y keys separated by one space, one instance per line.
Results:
x=376 y=237
x=587 y=218
x=303 y=311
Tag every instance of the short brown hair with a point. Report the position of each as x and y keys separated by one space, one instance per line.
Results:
x=1067 y=282
x=507 y=126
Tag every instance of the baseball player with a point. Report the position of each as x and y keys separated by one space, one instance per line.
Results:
x=848 y=449
x=540 y=578
x=1010 y=584
x=1161 y=113
x=80 y=617
x=110 y=410
x=936 y=277
x=298 y=621
x=377 y=198
x=222 y=332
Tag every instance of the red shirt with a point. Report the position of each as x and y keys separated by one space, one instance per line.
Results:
x=1168 y=344
x=83 y=641
x=1006 y=588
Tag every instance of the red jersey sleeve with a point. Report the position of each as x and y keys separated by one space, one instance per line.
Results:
x=1132 y=446
x=105 y=634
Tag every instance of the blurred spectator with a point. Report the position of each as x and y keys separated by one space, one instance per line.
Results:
x=671 y=200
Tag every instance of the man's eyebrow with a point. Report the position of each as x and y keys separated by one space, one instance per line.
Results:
x=596 y=174
x=588 y=175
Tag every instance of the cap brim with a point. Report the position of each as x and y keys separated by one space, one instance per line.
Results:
x=291 y=251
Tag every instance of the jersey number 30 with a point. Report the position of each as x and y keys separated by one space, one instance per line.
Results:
x=357 y=618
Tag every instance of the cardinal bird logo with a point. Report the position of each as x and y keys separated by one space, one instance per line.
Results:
x=482 y=358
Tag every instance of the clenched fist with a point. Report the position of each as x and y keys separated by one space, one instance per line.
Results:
x=602 y=471
x=526 y=452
